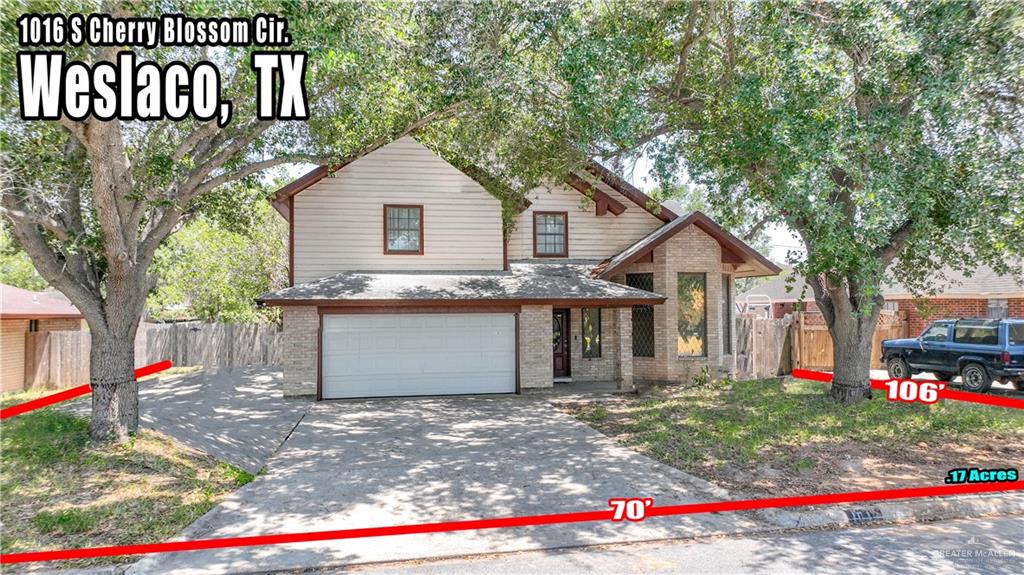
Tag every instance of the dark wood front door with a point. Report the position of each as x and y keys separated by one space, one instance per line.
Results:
x=560 y=341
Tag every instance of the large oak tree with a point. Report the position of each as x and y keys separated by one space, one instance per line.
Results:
x=886 y=134
x=90 y=201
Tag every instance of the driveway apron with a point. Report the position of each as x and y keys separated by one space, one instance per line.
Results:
x=400 y=461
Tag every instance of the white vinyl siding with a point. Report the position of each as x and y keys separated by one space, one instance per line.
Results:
x=379 y=355
x=339 y=221
x=590 y=236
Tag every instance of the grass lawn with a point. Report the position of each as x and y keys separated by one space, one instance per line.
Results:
x=57 y=491
x=786 y=437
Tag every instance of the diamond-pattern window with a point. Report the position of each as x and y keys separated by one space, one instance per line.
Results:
x=643 y=317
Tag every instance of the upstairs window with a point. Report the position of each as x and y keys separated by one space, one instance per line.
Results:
x=550 y=234
x=403 y=230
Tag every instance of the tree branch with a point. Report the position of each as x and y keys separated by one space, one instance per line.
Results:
x=897 y=240
x=254 y=167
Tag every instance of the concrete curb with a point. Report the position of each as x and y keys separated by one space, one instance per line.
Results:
x=107 y=570
x=913 y=510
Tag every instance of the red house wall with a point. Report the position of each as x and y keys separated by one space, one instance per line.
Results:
x=941 y=308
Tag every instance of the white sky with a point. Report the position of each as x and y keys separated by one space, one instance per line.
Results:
x=783 y=239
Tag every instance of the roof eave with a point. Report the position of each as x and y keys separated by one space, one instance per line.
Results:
x=400 y=303
x=708 y=226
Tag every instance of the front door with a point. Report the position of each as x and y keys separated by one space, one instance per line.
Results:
x=560 y=341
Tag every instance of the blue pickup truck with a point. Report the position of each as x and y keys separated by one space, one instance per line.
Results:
x=979 y=350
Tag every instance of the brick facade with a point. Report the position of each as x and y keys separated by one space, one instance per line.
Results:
x=1017 y=307
x=923 y=312
x=689 y=251
x=602 y=368
x=301 y=328
x=61 y=324
x=535 y=359
x=624 y=346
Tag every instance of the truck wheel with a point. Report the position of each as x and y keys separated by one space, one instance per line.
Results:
x=976 y=378
x=1019 y=385
x=898 y=368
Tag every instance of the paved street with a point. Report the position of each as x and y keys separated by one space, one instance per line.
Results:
x=983 y=546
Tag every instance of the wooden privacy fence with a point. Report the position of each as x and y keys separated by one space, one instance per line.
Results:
x=214 y=344
x=762 y=346
x=812 y=343
x=55 y=359
x=59 y=359
x=770 y=347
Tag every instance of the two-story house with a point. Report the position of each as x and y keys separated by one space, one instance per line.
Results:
x=403 y=283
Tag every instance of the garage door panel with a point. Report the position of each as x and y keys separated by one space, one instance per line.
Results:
x=418 y=354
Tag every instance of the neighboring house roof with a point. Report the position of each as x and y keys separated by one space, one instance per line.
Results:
x=603 y=201
x=983 y=283
x=17 y=303
x=734 y=249
x=524 y=283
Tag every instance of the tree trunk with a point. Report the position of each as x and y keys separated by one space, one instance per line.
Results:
x=115 y=396
x=851 y=351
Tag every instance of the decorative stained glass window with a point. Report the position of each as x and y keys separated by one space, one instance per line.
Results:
x=591 y=332
x=726 y=315
x=692 y=320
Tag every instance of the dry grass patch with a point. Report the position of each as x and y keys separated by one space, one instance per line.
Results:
x=57 y=491
x=787 y=438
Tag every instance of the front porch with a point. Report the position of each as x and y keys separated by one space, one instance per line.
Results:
x=575 y=349
x=581 y=389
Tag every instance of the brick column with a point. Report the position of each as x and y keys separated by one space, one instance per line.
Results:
x=624 y=346
x=535 y=360
x=301 y=328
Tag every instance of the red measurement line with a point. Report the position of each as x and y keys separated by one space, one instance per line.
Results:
x=953 y=394
x=505 y=522
x=73 y=392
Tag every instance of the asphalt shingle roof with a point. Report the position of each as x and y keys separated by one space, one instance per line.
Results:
x=530 y=281
x=21 y=303
x=983 y=282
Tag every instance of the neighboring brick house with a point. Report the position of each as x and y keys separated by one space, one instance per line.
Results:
x=984 y=294
x=21 y=312
x=404 y=283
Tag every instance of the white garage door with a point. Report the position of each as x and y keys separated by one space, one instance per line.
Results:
x=418 y=354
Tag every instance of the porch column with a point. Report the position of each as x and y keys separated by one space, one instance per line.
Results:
x=535 y=361
x=624 y=346
x=301 y=350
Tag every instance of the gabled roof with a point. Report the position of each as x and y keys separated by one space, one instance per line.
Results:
x=983 y=283
x=603 y=200
x=734 y=249
x=524 y=283
x=631 y=192
x=17 y=303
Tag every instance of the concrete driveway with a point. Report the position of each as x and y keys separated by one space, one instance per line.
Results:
x=392 y=462
x=237 y=416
